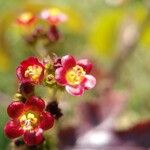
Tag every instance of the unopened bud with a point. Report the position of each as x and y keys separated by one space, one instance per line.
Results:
x=50 y=79
x=18 y=97
x=27 y=89
x=53 y=108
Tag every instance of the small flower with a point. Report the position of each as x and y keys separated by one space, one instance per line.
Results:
x=74 y=75
x=53 y=34
x=31 y=71
x=29 y=120
x=54 y=16
x=26 y=18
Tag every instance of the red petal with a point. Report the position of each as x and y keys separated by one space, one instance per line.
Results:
x=68 y=61
x=60 y=74
x=85 y=64
x=89 y=82
x=15 y=109
x=30 y=61
x=19 y=73
x=12 y=129
x=47 y=121
x=75 y=91
x=35 y=103
x=33 y=137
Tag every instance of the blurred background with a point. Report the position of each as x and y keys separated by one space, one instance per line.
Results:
x=115 y=36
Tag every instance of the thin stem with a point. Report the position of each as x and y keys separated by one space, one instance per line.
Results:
x=40 y=48
x=127 y=50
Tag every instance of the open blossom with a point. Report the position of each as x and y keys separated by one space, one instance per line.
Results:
x=54 y=16
x=74 y=75
x=31 y=71
x=26 y=18
x=29 y=120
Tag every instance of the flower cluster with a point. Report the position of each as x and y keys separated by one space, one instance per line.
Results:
x=52 y=17
x=66 y=72
x=30 y=115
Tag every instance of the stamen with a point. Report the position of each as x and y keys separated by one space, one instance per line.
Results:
x=76 y=75
x=33 y=72
x=28 y=121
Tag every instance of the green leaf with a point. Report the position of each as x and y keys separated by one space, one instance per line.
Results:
x=105 y=31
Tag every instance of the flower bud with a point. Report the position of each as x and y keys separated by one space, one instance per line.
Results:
x=27 y=89
x=18 y=97
x=19 y=142
x=53 y=108
x=53 y=34
x=50 y=79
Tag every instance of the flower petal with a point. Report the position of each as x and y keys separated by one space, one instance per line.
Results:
x=33 y=137
x=30 y=61
x=89 y=82
x=35 y=103
x=85 y=64
x=12 y=129
x=47 y=121
x=75 y=91
x=68 y=61
x=60 y=74
x=15 y=109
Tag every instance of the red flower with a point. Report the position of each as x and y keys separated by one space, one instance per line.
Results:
x=31 y=71
x=28 y=120
x=26 y=18
x=74 y=75
x=54 y=16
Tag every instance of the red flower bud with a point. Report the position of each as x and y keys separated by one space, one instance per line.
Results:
x=53 y=34
x=27 y=89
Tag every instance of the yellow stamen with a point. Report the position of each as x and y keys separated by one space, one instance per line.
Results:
x=76 y=75
x=28 y=121
x=33 y=72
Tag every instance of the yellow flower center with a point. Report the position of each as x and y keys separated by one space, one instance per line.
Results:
x=75 y=76
x=33 y=72
x=28 y=121
x=25 y=17
x=54 y=11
